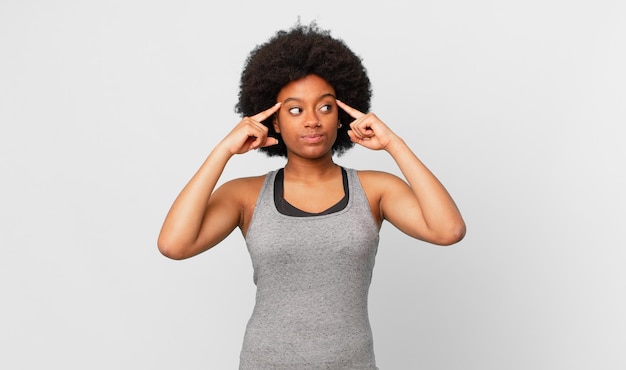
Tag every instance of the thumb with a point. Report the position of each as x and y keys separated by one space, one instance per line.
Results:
x=270 y=141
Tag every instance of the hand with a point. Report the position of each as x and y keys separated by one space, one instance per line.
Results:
x=250 y=133
x=367 y=129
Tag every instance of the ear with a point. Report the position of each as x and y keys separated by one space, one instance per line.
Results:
x=275 y=122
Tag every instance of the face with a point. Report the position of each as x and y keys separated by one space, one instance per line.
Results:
x=307 y=119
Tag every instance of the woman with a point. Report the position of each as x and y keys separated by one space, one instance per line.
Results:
x=311 y=227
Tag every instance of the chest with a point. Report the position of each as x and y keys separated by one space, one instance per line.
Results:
x=313 y=199
x=312 y=250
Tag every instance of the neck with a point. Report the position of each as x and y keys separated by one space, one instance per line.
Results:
x=310 y=169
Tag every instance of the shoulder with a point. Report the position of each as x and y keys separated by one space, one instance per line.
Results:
x=243 y=194
x=246 y=181
x=376 y=186
x=242 y=188
x=378 y=179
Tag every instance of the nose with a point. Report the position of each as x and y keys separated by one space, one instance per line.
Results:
x=312 y=120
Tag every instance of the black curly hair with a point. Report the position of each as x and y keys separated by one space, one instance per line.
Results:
x=290 y=55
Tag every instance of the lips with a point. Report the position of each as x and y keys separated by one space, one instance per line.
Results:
x=312 y=138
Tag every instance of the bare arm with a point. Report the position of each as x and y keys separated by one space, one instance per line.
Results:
x=199 y=217
x=423 y=209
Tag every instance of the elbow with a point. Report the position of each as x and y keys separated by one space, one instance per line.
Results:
x=170 y=250
x=454 y=234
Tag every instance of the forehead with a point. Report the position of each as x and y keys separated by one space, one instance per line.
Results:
x=306 y=88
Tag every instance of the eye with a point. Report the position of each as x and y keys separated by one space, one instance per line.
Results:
x=295 y=110
x=326 y=108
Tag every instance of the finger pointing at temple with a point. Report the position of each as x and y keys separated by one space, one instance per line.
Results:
x=348 y=109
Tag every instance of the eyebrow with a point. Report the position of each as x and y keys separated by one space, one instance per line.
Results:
x=320 y=98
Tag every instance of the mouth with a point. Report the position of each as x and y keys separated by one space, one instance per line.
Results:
x=312 y=138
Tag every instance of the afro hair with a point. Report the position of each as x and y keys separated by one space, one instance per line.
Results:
x=296 y=53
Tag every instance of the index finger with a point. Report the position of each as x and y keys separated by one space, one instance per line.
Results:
x=262 y=116
x=351 y=111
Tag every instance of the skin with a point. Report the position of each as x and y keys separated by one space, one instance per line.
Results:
x=306 y=117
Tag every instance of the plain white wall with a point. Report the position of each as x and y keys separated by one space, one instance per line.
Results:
x=108 y=107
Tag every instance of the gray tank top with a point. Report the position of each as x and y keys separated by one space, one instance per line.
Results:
x=312 y=276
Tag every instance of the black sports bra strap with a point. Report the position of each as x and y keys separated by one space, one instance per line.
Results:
x=286 y=208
